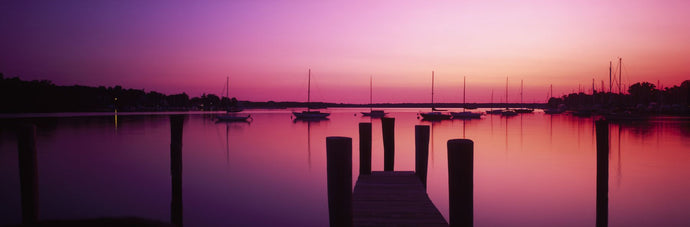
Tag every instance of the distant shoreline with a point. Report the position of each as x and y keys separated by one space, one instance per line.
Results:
x=4 y=117
x=17 y=96
x=444 y=105
x=278 y=105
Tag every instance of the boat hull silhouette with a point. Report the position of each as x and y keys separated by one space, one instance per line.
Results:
x=466 y=115
x=233 y=117
x=435 y=116
x=311 y=115
x=374 y=113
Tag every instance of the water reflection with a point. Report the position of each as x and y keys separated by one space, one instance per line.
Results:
x=309 y=122
x=619 y=157
x=237 y=126
x=684 y=128
x=278 y=168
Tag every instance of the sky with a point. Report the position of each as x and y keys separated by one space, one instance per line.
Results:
x=266 y=48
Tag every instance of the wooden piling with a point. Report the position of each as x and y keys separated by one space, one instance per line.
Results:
x=339 y=177
x=28 y=173
x=388 y=128
x=421 y=145
x=461 y=182
x=364 y=148
x=176 y=122
x=602 y=132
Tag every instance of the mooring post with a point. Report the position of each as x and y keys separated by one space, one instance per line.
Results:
x=339 y=178
x=602 y=131
x=28 y=173
x=388 y=128
x=176 y=122
x=421 y=145
x=461 y=181
x=364 y=148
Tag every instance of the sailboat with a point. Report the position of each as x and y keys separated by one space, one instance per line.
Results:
x=232 y=110
x=372 y=112
x=465 y=114
x=493 y=111
x=309 y=114
x=435 y=114
x=508 y=112
x=558 y=110
x=523 y=110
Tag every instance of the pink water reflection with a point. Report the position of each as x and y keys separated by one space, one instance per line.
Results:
x=530 y=170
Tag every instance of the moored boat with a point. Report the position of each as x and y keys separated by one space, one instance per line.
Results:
x=523 y=109
x=233 y=117
x=434 y=115
x=554 y=111
x=465 y=114
x=494 y=111
x=372 y=112
x=310 y=114
x=375 y=113
x=232 y=109
x=508 y=113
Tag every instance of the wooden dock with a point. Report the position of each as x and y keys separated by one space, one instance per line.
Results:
x=393 y=198
x=396 y=198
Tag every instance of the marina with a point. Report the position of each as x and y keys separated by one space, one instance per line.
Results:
x=112 y=113
x=546 y=155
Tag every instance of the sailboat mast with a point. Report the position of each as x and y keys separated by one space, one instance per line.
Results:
x=309 y=92
x=227 y=87
x=370 y=94
x=594 y=100
x=506 y=101
x=464 y=87
x=492 y=99
x=620 y=74
x=432 y=90
x=521 y=87
x=610 y=65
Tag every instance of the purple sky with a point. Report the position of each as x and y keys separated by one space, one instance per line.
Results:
x=266 y=48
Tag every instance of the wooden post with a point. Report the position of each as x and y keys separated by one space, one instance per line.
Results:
x=28 y=173
x=602 y=131
x=388 y=128
x=421 y=145
x=176 y=122
x=461 y=182
x=339 y=177
x=364 y=148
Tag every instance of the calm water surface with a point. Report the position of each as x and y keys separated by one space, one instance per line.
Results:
x=530 y=170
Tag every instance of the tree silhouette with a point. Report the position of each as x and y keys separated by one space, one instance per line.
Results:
x=642 y=93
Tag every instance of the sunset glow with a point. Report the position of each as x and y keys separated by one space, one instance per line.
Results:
x=267 y=47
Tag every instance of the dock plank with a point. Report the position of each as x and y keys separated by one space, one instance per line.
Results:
x=393 y=198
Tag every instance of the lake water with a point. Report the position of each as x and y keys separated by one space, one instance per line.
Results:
x=530 y=170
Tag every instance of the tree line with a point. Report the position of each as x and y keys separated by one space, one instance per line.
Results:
x=18 y=96
x=641 y=96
